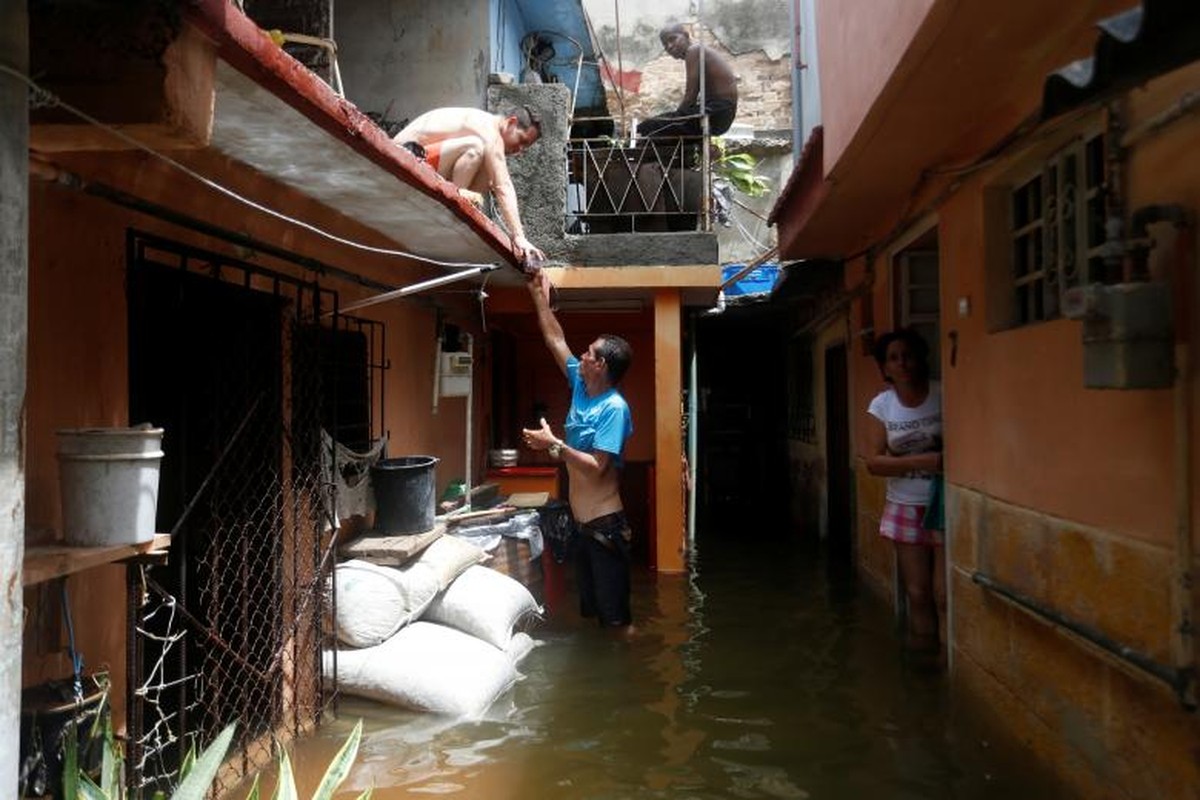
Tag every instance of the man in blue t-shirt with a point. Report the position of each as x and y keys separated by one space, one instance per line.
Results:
x=597 y=427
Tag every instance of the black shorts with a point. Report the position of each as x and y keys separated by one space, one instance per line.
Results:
x=602 y=569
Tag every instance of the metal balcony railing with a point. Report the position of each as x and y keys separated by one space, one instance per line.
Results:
x=660 y=184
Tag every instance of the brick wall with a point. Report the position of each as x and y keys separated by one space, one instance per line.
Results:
x=764 y=88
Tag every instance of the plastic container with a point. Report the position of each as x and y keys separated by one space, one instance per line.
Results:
x=504 y=457
x=108 y=478
x=760 y=280
x=404 y=494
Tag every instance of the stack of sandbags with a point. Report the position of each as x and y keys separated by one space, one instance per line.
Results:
x=428 y=667
x=458 y=657
x=374 y=602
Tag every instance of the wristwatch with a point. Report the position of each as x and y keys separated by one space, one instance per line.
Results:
x=555 y=450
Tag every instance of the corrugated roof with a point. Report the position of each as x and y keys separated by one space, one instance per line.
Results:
x=1149 y=39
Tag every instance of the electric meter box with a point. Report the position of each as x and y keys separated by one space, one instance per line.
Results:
x=1128 y=341
x=455 y=375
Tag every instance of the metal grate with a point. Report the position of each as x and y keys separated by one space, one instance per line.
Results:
x=231 y=360
x=656 y=185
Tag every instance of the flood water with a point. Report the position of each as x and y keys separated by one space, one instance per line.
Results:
x=761 y=674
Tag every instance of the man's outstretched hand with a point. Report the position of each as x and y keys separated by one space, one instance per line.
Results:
x=539 y=438
x=532 y=256
x=539 y=285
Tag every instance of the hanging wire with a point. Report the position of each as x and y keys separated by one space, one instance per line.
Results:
x=76 y=659
x=48 y=98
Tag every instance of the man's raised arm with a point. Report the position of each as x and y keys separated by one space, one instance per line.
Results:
x=552 y=332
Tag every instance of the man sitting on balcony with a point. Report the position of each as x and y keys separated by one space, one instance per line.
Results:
x=469 y=147
x=720 y=90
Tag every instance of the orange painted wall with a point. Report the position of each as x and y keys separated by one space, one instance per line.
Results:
x=1066 y=494
x=78 y=351
x=861 y=41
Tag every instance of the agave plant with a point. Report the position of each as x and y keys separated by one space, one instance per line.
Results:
x=197 y=773
x=335 y=773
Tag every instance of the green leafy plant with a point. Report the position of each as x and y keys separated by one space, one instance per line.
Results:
x=197 y=773
x=738 y=170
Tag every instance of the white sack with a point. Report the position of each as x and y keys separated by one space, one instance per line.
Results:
x=373 y=602
x=427 y=667
x=520 y=645
x=484 y=603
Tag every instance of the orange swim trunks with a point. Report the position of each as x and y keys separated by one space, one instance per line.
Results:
x=433 y=154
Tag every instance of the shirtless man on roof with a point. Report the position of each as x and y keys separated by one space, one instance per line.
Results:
x=468 y=147
x=720 y=89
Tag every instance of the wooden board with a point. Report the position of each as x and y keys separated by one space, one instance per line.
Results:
x=529 y=499
x=487 y=516
x=45 y=562
x=390 y=551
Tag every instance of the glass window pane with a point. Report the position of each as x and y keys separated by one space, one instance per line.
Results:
x=923 y=269
x=923 y=301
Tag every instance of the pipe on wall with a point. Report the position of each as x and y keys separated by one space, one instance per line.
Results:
x=1180 y=680
x=1183 y=645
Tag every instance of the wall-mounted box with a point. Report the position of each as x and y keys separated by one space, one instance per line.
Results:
x=455 y=375
x=1127 y=337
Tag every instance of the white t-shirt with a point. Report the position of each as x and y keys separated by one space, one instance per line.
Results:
x=910 y=431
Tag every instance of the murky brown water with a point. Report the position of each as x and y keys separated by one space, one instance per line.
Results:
x=758 y=676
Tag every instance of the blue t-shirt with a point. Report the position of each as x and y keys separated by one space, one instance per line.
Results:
x=602 y=422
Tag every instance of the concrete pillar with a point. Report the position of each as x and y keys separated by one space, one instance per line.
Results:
x=668 y=430
x=14 y=284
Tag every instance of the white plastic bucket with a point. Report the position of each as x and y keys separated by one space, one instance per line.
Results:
x=108 y=478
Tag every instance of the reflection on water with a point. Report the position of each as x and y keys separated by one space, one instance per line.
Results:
x=759 y=675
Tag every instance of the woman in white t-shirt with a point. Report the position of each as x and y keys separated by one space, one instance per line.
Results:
x=904 y=444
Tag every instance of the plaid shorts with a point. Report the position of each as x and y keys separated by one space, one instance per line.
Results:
x=902 y=523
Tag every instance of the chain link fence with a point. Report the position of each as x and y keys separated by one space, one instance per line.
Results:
x=232 y=361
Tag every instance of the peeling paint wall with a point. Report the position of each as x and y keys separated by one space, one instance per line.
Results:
x=14 y=274
x=400 y=58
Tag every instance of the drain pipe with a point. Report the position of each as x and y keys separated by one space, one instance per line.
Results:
x=470 y=343
x=1183 y=645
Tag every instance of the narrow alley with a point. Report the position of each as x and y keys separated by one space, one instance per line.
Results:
x=766 y=672
x=840 y=354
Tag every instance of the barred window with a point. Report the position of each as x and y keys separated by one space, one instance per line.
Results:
x=1055 y=231
x=801 y=378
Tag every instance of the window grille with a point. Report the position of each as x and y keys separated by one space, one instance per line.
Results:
x=1056 y=230
x=802 y=387
x=917 y=300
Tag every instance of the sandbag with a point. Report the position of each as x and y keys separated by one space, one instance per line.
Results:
x=427 y=667
x=373 y=602
x=448 y=557
x=520 y=645
x=484 y=603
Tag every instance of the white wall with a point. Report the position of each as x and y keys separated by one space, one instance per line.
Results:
x=404 y=57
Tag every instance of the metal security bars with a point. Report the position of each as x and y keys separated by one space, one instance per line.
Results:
x=655 y=185
x=228 y=357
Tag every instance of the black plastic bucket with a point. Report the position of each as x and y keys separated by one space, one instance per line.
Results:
x=404 y=494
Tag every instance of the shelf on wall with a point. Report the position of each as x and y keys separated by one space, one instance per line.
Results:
x=45 y=562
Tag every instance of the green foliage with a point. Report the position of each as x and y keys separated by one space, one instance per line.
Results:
x=738 y=170
x=197 y=773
